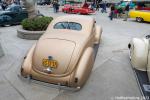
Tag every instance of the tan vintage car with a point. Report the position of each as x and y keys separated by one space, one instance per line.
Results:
x=65 y=54
x=140 y=61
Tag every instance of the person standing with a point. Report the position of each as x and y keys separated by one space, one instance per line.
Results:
x=57 y=7
x=97 y=6
x=93 y=6
x=126 y=10
x=54 y=6
x=111 y=15
x=18 y=2
x=105 y=7
x=85 y=5
x=4 y=5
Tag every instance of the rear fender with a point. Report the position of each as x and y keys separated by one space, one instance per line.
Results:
x=139 y=53
x=27 y=63
x=98 y=34
x=84 y=67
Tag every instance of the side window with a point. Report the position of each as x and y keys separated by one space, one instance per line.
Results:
x=6 y=18
x=19 y=9
x=15 y=9
x=11 y=9
x=12 y=15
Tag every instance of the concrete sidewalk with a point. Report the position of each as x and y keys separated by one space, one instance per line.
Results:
x=111 y=76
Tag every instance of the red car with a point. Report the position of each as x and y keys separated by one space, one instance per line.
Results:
x=77 y=10
x=143 y=8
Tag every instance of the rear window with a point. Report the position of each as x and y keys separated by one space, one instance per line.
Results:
x=68 y=25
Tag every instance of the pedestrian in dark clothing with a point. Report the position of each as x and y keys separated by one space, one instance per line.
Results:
x=126 y=10
x=105 y=10
x=112 y=9
x=97 y=6
x=104 y=7
x=57 y=7
x=4 y=5
x=120 y=11
x=54 y=6
x=17 y=2
x=93 y=5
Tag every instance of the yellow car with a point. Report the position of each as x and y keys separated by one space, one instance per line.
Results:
x=140 y=15
x=65 y=54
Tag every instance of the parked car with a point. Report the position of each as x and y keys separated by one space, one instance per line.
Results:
x=65 y=54
x=143 y=6
x=140 y=61
x=140 y=15
x=77 y=9
x=12 y=15
x=43 y=2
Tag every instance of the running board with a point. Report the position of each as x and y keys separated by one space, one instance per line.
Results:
x=143 y=82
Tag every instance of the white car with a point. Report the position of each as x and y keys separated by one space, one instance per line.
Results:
x=140 y=60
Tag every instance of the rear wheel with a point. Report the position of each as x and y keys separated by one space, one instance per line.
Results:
x=139 y=19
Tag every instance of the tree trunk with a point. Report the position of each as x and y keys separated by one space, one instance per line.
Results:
x=30 y=5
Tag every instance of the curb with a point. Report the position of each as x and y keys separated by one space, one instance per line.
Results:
x=1 y=51
x=29 y=35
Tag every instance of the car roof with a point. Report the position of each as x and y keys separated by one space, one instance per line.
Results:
x=73 y=35
x=85 y=21
x=76 y=18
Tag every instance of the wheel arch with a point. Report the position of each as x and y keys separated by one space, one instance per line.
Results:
x=141 y=19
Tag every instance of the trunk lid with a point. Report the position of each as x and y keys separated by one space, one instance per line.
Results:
x=53 y=56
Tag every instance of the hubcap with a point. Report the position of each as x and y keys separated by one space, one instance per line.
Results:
x=139 y=19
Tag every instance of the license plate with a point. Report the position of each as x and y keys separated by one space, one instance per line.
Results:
x=49 y=63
